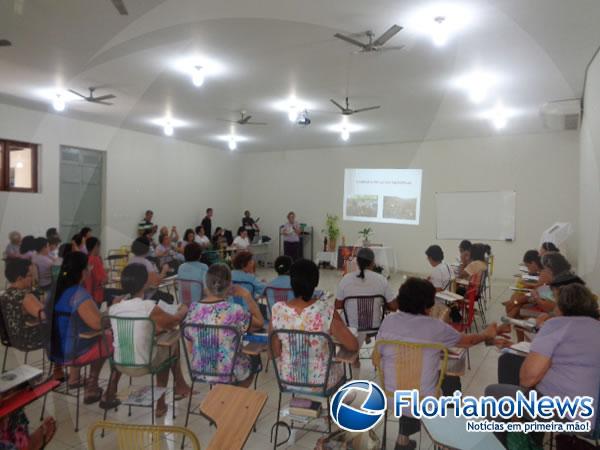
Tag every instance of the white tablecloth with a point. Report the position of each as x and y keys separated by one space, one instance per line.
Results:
x=384 y=257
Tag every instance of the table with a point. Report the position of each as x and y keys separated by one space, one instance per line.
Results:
x=451 y=432
x=384 y=257
x=234 y=410
x=261 y=252
x=327 y=257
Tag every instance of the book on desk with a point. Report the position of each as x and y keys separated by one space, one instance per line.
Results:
x=448 y=296
x=304 y=407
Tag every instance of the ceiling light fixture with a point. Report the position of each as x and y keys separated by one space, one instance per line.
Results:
x=499 y=116
x=58 y=103
x=345 y=133
x=293 y=112
x=440 y=31
x=198 y=76
x=168 y=128
x=232 y=143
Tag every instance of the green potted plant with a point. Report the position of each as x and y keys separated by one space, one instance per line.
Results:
x=365 y=233
x=332 y=231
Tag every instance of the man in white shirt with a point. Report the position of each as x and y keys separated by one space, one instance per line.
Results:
x=364 y=282
x=441 y=275
x=133 y=281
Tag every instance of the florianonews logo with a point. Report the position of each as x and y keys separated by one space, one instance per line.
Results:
x=366 y=416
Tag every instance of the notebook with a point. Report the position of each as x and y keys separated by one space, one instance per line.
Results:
x=13 y=378
x=523 y=347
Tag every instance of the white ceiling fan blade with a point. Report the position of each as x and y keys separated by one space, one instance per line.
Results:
x=390 y=33
x=227 y=120
x=350 y=40
x=255 y=123
x=370 y=108
x=337 y=104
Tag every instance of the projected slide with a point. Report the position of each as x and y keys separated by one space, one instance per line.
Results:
x=382 y=195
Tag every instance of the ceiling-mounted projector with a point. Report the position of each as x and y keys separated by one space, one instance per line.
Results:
x=303 y=119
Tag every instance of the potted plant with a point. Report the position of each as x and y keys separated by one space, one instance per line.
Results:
x=365 y=233
x=332 y=231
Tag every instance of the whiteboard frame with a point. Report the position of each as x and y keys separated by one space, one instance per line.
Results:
x=506 y=239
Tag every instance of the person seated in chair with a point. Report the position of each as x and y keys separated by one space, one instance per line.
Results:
x=165 y=253
x=140 y=250
x=282 y=266
x=413 y=323
x=307 y=313
x=133 y=281
x=533 y=262
x=564 y=360
x=14 y=243
x=201 y=238
x=365 y=282
x=244 y=270
x=241 y=241
x=19 y=306
x=441 y=275
x=43 y=262
x=74 y=315
x=217 y=308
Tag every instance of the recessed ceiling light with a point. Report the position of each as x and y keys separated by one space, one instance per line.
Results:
x=198 y=76
x=345 y=133
x=477 y=85
x=58 y=103
x=440 y=21
x=168 y=128
x=499 y=115
x=440 y=31
x=232 y=143
x=293 y=112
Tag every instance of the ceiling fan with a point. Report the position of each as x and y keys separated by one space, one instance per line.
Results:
x=347 y=111
x=374 y=45
x=90 y=98
x=243 y=120
x=120 y=7
x=5 y=43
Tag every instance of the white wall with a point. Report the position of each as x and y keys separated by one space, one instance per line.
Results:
x=589 y=206
x=540 y=168
x=178 y=180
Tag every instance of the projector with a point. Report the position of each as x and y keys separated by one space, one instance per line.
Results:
x=303 y=119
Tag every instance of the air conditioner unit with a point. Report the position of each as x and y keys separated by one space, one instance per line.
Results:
x=561 y=114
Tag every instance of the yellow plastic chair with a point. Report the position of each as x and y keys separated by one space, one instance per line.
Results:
x=408 y=361
x=142 y=437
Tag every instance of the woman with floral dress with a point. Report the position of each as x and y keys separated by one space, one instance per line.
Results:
x=307 y=313
x=218 y=308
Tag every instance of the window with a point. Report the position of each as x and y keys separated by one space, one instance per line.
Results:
x=18 y=166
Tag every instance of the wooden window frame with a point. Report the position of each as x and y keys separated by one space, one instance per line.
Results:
x=5 y=175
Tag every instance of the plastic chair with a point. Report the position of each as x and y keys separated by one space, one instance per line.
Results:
x=204 y=361
x=141 y=437
x=276 y=295
x=189 y=291
x=368 y=312
x=246 y=285
x=408 y=358
x=297 y=344
x=124 y=352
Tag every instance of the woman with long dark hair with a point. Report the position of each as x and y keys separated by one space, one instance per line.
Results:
x=73 y=312
x=364 y=282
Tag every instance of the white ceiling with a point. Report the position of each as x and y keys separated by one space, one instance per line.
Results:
x=265 y=50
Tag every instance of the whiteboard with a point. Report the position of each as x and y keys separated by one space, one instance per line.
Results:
x=476 y=215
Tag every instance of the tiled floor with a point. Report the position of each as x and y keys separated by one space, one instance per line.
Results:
x=482 y=373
